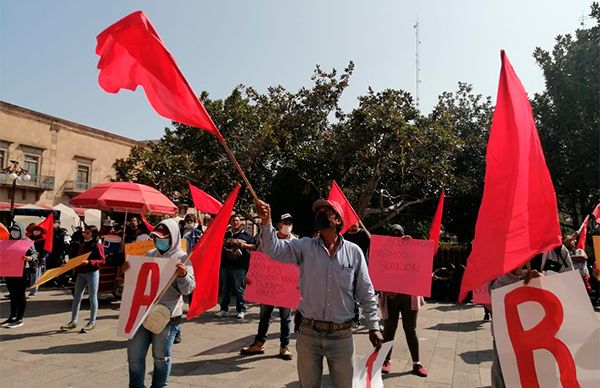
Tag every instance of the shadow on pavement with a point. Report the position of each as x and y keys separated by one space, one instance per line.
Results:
x=236 y=345
x=214 y=367
x=36 y=308
x=475 y=357
x=9 y=336
x=459 y=326
x=83 y=348
x=395 y=374
x=454 y=307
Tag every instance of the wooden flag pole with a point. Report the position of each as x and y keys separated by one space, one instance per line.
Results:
x=239 y=169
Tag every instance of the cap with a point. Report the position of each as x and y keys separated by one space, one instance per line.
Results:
x=332 y=204
x=286 y=216
x=108 y=222
x=398 y=228
x=160 y=231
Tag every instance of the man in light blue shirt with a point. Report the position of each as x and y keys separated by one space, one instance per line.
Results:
x=333 y=275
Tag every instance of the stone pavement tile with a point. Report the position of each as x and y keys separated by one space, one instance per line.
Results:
x=485 y=377
x=436 y=385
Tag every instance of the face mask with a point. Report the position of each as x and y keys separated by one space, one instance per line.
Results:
x=87 y=239
x=162 y=244
x=286 y=229
x=36 y=233
x=15 y=234
x=189 y=225
x=321 y=221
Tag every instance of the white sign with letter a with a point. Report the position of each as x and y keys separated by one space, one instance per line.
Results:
x=546 y=333
x=144 y=280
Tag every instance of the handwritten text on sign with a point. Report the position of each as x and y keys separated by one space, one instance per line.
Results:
x=144 y=280
x=401 y=265
x=271 y=282
x=546 y=333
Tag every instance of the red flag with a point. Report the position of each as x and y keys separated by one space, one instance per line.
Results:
x=436 y=224
x=206 y=259
x=148 y=225
x=203 y=201
x=583 y=233
x=350 y=216
x=518 y=217
x=132 y=54
x=596 y=213
x=48 y=226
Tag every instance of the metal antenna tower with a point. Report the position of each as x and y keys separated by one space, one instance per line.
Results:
x=417 y=67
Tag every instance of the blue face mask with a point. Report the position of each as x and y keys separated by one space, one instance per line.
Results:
x=162 y=244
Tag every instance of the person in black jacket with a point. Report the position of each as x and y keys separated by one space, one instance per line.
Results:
x=17 y=285
x=88 y=272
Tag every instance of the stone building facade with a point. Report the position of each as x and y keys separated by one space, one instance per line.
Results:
x=63 y=158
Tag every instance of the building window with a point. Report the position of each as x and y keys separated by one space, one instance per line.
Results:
x=83 y=176
x=31 y=163
x=2 y=157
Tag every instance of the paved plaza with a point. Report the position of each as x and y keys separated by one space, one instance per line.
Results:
x=455 y=346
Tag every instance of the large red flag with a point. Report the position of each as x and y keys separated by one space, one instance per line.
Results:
x=203 y=201
x=583 y=233
x=48 y=226
x=148 y=225
x=132 y=54
x=436 y=224
x=596 y=213
x=350 y=216
x=206 y=259
x=518 y=217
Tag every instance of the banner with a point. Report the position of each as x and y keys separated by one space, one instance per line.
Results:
x=144 y=280
x=367 y=368
x=481 y=295
x=546 y=333
x=11 y=256
x=56 y=272
x=401 y=265
x=271 y=282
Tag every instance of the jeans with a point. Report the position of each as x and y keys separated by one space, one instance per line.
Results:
x=496 y=371
x=337 y=347
x=35 y=276
x=232 y=277
x=263 y=326
x=400 y=304
x=91 y=279
x=162 y=345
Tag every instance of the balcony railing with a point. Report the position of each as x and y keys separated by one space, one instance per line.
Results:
x=38 y=182
x=76 y=186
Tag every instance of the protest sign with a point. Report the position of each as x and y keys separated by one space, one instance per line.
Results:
x=11 y=256
x=140 y=248
x=481 y=295
x=56 y=272
x=271 y=282
x=596 y=241
x=367 y=368
x=144 y=280
x=546 y=333
x=401 y=265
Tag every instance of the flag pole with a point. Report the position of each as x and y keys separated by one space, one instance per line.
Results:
x=239 y=169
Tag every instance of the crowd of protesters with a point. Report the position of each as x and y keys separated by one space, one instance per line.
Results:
x=331 y=265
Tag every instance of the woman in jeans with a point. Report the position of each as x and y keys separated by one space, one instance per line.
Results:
x=88 y=272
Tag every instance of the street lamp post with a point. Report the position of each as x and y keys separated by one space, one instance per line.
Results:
x=14 y=173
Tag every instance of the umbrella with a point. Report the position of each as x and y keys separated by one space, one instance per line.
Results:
x=68 y=217
x=125 y=197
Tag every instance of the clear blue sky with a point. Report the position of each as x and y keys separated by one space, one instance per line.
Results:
x=48 y=61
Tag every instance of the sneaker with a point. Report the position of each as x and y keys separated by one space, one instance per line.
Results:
x=419 y=370
x=7 y=322
x=240 y=315
x=31 y=295
x=89 y=327
x=486 y=317
x=177 y=339
x=220 y=313
x=285 y=354
x=15 y=323
x=69 y=326
x=387 y=367
x=256 y=348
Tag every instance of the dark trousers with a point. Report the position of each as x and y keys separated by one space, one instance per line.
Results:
x=232 y=278
x=16 y=288
x=400 y=304
x=265 y=318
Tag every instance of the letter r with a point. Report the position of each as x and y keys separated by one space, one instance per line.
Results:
x=541 y=336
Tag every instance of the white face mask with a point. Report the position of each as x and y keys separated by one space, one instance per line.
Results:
x=286 y=229
x=15 y=234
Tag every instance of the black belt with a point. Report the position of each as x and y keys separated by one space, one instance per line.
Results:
x=324 y=326
x=176 y=320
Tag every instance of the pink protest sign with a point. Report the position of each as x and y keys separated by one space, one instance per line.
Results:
x=401 y=265
x=271 y=282
x=11 y=256
x=481 y=295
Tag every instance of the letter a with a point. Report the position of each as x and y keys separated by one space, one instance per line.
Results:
x=139 y=297
x=542 y=336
